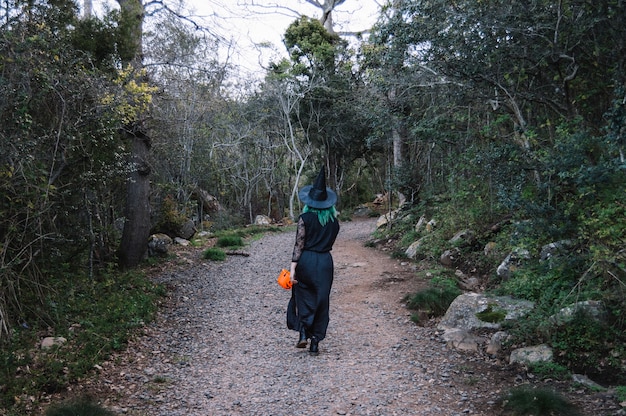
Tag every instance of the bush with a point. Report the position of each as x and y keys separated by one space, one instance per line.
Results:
x=435 y=300
x=78 y=407
x=548 y=370
x=525 y=401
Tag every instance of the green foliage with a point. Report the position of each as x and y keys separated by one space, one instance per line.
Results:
x=588 y=346
x=542 y=283
x=96 y=316
x=491 y=314
x=434 y=300
x=549 y=370
x=170 y=219
x=311 y=47
x=526 y=401
x=231 y=241
x=214 y=254
x=621 y=393
x=78 y=407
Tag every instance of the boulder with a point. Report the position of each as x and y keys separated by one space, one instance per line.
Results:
x=490 y=247
x=593 y=309
x=411 y=252
x=448 y=257
x=554 y=249
x=262 y=220
x=385 y=219
x=463 y=311
x=158 y=244
x=362 y=211
x=512 y=262
x=463 y=340
x=181 y=241
x=531 y=355
x=49 y=342
x=465 y=236
x=187 y=230
x=420 y=224
x=495 y=343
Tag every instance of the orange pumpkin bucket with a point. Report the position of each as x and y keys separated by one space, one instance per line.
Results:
x=284 y=279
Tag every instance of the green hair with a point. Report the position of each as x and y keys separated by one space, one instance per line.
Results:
x=323 y=215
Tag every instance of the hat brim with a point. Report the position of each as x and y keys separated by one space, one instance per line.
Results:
x=331 y=198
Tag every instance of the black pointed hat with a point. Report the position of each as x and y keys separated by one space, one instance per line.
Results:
x=318 y=195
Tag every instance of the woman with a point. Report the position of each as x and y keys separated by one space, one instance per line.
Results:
x=312 y=266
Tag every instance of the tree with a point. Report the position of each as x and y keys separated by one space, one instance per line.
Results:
x=61 y=158
x=137 y=218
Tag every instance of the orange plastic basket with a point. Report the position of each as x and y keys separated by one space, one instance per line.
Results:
x=284 y=279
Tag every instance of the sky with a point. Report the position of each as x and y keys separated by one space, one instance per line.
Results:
x=256 y=26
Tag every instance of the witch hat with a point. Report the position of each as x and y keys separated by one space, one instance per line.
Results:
x=318 y=195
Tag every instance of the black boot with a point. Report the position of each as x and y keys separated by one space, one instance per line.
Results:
x=302 y=341
x=313 y=349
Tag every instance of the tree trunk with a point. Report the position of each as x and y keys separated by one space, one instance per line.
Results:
x=137 y=223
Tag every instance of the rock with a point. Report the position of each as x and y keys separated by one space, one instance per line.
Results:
x=181 y=241
x=262 y=220
x=158 y=244
x=489 y=248
x=463 y=310
x=531 y=355
x=385 y=219
x=495 y=343
x=187 y=230
x=587 y=382
x=590 y=308
x=420 y=224
x=448 y=257
x=464 y=236
x=463 y=340
x=512 y=262
x=362 y=211
x=49 y=342
x=411 y=252
x=553 y=249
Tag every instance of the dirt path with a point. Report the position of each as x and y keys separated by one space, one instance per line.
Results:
x=222 y=346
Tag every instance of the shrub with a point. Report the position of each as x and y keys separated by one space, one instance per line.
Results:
x=436 y=299
x=78 y=407
x=525 y=401
x=548 y=370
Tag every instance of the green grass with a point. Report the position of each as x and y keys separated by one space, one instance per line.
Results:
x=230 y=241
x=214 y=254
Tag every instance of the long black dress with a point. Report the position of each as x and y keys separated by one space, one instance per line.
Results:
x=314 y=273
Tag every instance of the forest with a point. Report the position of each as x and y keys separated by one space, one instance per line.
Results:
x=484 y=115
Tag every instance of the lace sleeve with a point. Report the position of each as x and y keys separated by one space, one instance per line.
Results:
x=299 y=246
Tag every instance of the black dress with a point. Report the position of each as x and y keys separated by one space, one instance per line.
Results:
x=309 y=305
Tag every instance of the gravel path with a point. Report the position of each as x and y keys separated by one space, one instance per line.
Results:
x=223 y=348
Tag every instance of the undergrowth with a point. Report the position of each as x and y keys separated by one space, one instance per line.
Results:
x=96 y=316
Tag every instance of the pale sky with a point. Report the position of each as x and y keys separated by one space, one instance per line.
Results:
x=257 y=26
